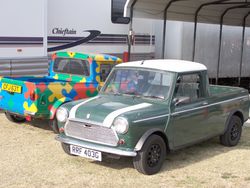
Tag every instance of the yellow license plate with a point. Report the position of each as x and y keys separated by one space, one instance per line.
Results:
x=12 y=88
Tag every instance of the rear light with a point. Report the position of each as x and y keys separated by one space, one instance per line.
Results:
x=61 y=130
x=28 y=118
x=32 y=96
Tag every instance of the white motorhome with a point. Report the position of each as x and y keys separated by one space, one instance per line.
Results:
x=34 y=29
x=23 y=37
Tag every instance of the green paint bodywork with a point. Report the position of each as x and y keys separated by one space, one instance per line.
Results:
x=179 y=125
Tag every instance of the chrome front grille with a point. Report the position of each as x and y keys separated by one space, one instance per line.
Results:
x=89 y=132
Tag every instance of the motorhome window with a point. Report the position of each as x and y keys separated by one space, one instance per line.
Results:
x=71 y=66
x=117 y=8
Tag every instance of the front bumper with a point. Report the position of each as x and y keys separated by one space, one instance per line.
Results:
x=105 y=149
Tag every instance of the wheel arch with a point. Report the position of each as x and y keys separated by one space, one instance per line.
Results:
x=238 y=113
x=147 y=134
x=56 y=105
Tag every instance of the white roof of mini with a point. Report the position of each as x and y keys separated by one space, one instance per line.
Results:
x=171 y=65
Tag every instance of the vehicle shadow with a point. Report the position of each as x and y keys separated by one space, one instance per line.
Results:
x=118 y=164
x=38 y=123
x=185 y=157
x=203 y=151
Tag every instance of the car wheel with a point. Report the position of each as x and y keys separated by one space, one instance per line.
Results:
x=66 y=148
x=14 y=118
x=150 y=158
x=53 y=125
x=233 y=133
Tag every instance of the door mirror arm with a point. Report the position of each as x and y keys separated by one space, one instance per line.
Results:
x=181 y=100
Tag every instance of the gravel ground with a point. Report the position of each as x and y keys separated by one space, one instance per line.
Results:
x=31 y=157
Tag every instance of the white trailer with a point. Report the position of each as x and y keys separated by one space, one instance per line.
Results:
x=32 y=30
x=69 y=21
x=23 y=31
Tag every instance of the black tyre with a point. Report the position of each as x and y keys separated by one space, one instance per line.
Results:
x=66 y=148
x=233 y=133
x=53 y=125
x=151 y=157
x=14 y=118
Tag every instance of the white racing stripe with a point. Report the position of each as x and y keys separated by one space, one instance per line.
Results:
x=72 y=112
x=110 y=118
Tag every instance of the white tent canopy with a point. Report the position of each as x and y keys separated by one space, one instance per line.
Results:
x=209 y=11
x=223 y=12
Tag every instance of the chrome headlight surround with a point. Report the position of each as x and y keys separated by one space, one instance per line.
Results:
x=62 y=114
x=121 y=125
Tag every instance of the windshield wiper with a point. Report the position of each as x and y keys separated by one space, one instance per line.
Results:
x=117 y=93
x=135 y=93
x=153 y=97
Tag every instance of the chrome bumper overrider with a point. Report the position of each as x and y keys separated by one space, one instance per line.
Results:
x=26 y=112
x=105 y=149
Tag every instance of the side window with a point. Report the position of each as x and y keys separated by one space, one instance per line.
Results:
x=188 y=88
x=105 y=70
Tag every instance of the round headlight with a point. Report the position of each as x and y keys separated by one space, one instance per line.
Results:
x=121 y=125
x=62 y=115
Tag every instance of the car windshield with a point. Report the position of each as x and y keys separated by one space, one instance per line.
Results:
x=143 y=83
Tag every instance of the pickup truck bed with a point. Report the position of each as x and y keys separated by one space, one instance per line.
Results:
x=216 y=90
x=45 y=79
x=38 y=95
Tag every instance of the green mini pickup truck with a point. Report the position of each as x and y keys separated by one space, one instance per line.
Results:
x=147 y=108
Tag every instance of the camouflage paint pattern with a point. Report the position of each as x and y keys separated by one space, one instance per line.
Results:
x=41 y=96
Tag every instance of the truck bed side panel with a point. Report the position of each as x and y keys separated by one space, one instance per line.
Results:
x=49 y=95
x=17 y=102
x=46 y=92
x=225 y=100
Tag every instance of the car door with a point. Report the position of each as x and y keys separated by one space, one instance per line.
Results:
x=189 y=110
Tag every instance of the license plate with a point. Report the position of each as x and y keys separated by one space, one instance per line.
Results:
x=12 y=88
x=87 y=153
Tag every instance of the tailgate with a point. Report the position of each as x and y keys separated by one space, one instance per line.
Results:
x=15 y=95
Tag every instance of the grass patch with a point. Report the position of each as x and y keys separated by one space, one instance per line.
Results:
x=227 y=175
x=247 y=179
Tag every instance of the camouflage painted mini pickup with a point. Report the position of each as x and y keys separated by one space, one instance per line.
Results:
x=71 y=76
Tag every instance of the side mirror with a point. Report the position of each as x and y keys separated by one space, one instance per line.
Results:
x=181 y=100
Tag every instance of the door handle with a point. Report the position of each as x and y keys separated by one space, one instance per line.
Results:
x=205 y=103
